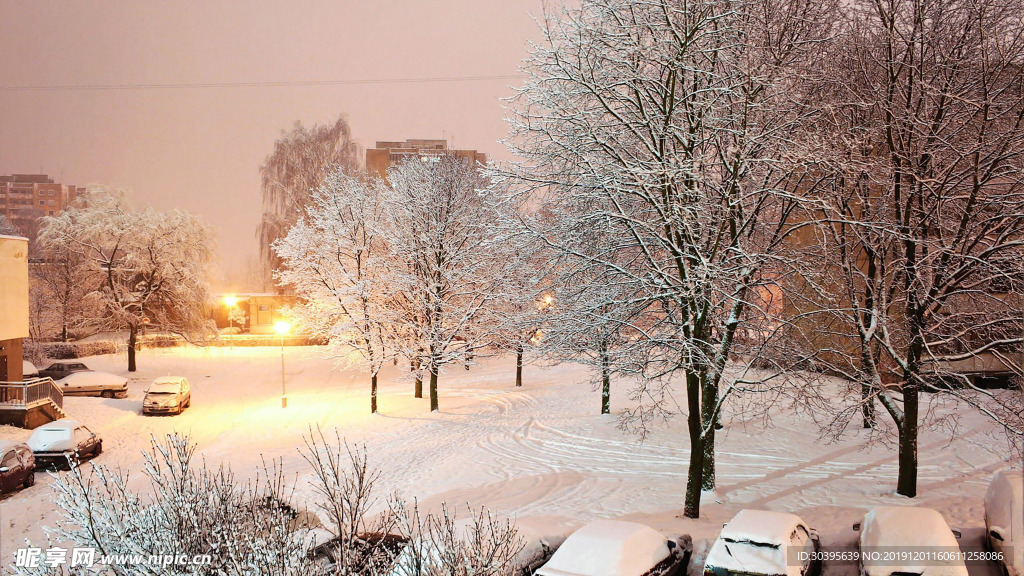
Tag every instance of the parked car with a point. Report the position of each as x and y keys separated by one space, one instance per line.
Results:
x=93 y=383
x=621 y=548
x=60 y=369
x=1004 y=519
x=63 y=441
x=167 y=395
x=28 y=370
x=766 y=543
x=907 y=528
x=17 y=466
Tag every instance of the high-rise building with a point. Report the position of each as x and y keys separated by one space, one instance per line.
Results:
x=381 y=157
x=25 y=198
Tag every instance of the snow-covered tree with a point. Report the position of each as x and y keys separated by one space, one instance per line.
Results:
x=924 y=225
x=301 y=159
x=674 y=126
x=337 y=261
x=444 y=241
x=62 y=278
x=152 y=267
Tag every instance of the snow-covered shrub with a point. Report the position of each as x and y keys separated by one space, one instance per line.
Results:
x=190 y=510
x=444 y=545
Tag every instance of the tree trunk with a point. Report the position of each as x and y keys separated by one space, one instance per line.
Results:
x=373 y=393
x=691 y=507
x=906 y=483
x=867 y=406
x=519 y=364
x=606 y=381
x=709 y=420
x=433 y=388
x=132 y=340
x=414 y=367
x=64 y=332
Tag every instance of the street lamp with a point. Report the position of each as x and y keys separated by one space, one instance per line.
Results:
x=282 y=328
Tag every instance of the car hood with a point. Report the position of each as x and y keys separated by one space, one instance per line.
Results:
x=161 y=399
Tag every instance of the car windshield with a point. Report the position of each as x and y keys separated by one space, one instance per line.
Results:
x=165 y=388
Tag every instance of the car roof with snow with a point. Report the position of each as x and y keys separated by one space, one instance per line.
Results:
x=63 y=424
x=762 y=527
x=608 y=548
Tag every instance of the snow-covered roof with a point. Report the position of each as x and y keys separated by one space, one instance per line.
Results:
x=762 y=527
x=608 y=548
x=909 y=528
x=62 y=423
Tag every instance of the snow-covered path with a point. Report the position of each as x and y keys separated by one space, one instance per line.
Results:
x=540 y=454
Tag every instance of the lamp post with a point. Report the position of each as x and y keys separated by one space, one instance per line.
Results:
x=282 y=328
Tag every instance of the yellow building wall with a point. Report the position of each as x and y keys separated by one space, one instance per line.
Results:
x=13 y=288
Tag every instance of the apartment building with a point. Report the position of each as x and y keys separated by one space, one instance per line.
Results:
x=386 y=153
x=25 y=198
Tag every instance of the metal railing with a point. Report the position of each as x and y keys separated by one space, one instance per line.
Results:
x=30 y=393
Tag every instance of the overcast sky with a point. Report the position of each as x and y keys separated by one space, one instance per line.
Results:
x=200 y=148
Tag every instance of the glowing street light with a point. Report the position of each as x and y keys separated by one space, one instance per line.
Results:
x=282 y=328
x=230 y=302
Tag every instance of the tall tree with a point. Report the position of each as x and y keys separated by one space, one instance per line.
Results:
x=336 y=260
x=301 y=159
x=153 y=267
x=674 y=125
x=63 y=278
x=443 y=236
x=926 y=218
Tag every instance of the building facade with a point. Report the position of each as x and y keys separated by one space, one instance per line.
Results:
x=387 y=153
x=26 y=198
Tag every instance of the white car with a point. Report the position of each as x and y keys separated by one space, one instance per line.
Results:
x=910 y=529
x=766 y=543
x=62 y=441
x=1004 y=519
x=618 y=548
x=167 y=395
x=93 y=384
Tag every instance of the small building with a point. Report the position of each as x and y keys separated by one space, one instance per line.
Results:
x=262 y=310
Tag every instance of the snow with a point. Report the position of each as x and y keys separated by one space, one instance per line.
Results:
x=52 y=437
x=1004 y=508
x=762 y=527
x=540 y=454
x=910 y=528
x=608 y=548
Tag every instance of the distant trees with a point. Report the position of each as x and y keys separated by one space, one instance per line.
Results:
x=413 y=267
x=337 y=260
x=301 y=159
x=62 y=279
x=451 y=266
x=149 y=268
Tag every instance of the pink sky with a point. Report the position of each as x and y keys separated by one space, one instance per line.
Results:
x=200 y=149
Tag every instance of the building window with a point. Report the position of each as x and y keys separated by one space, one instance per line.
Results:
x=41 y=202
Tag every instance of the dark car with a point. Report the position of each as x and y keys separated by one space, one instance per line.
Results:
x=59 y=370
x=63 y=441
x=17 y=466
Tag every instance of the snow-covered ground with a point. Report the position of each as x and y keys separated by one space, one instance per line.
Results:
x=540 y=454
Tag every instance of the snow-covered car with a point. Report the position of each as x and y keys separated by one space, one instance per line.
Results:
x=907 y=529
x=93 y=383
x=766 y=543
x=28 y=370
x=62 y=368
x=63 y=441
x=17 y=466
x=167 y=395
x=618 y=548
x=1004 y=519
